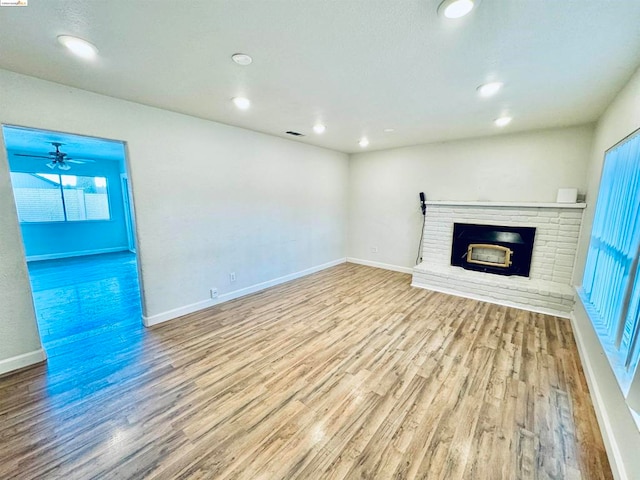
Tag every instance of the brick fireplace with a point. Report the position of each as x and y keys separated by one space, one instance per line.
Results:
x=545 y=287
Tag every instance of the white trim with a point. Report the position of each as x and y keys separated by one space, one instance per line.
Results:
x=615 y=457
x=636 y=416
x=179 y=312
x=455 y=203
x=225 y=297
x=128 y=222
x=78 y=253
x=385 y=266
x=20 y=361
x=505 y=303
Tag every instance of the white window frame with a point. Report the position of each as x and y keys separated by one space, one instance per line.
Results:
x=628 y=376
x=61 y=187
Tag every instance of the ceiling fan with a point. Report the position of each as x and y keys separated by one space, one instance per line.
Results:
x=58 y=159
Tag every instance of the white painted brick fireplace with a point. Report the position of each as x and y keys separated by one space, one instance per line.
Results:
x=548 y=287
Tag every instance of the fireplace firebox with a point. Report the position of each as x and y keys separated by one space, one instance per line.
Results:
x=493 y=248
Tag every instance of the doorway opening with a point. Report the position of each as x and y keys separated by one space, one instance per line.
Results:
x=73 y=201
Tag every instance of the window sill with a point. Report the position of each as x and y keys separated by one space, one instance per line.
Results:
x=616 y=360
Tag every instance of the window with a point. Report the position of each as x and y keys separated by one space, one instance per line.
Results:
x=611 y=284
x=45 y=197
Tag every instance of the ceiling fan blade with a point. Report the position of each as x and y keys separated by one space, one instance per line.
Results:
x=32 y=156
x=75 y=160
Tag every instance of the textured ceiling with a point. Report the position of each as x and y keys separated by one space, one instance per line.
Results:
x=359 y=66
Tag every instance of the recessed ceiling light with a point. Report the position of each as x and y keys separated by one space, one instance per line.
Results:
x=456 y=8
x=503 y=121
x=242 y=59
x=319 y=128
x=241 y=102
x=78 y=46
x=364 y=142
x=489 y=89
x=389 y=130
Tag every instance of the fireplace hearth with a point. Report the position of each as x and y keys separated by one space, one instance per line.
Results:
x=494 y=249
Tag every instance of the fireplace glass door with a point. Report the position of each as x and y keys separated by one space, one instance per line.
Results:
x=492 y=255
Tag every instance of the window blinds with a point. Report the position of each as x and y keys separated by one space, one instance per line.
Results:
x=611 y=286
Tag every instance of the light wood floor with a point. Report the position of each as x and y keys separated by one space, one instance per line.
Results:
x=347 y=373
x=80 y=297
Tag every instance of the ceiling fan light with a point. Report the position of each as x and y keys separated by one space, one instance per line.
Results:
x=51 y=165
x=64 y=166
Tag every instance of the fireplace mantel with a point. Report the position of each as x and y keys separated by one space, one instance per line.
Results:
x=457 y=203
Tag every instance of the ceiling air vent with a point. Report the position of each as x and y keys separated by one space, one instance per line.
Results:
x=295 y=134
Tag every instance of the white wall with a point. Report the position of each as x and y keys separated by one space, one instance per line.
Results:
x=383 y=186
x=19 y=339
x=620 y=119
x=209 y=199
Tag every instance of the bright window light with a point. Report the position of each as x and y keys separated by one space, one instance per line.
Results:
x=43 y=197
x=50 y=177
x=69 y=180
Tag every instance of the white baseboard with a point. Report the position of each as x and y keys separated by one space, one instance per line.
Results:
x=20 y=361
x=384 y=266
x=615 y=457
x=78 y=253
x=504 y=303
x=194 y=307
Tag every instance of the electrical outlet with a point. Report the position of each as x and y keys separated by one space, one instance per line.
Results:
x=214 y=292
x=232 y=277
x=374 y=249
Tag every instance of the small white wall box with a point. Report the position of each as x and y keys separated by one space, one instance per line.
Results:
x=567 y=195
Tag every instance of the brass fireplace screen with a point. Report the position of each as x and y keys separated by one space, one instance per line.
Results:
x=491 y=255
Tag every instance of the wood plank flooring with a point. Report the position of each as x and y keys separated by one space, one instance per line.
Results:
x=345 y=374
x=80 y=297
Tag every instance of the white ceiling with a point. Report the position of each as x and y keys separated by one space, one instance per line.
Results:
x=359 y=66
